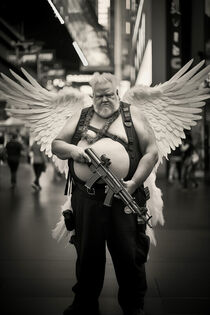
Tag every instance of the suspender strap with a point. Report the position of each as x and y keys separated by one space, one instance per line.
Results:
x=110 y=135
x=125 y=110
x=75 y=139
x=68 y=184
x=77 y=135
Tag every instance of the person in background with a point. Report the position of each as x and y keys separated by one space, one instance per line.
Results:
x=13 y=155
x=190 y=159
x=2 y=149
x=175 y=166
x=39 y=164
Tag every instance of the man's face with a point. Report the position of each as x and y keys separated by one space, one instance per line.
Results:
x=105 y=99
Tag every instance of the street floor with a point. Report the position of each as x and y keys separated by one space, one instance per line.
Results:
x=37 y=273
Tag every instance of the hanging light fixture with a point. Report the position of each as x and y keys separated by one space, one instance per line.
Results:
x=80 y=54
x=57 y=14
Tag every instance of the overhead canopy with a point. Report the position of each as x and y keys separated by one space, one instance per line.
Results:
x=81 y=22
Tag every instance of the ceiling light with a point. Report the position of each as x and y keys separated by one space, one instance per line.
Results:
x=80 y=54
x=57 y=14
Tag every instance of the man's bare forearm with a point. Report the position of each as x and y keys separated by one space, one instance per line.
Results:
x=145 y=167
x=65 y=150
x=62 y=149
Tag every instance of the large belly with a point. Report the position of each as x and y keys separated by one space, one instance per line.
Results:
x=113 y=150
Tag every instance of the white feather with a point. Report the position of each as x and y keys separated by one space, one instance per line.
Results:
x=60 y=233
x=43 y=111
x=170 y=108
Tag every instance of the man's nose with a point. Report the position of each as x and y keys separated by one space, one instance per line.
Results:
x=104 y=98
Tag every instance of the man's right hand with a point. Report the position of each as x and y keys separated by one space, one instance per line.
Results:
x=78 y=154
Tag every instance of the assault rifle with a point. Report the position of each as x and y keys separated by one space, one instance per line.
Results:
x=100 y=170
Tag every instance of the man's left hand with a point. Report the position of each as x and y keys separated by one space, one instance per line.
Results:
x=130 y=185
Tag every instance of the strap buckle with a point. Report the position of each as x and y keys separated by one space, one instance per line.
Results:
x=128 y=123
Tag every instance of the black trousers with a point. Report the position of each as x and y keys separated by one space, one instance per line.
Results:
x=13 y=165
x=95 y=226
x=38 y=169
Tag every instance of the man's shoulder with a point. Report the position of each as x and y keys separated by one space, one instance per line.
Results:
x=81 y=111
x=136 y=112
x=76 y=115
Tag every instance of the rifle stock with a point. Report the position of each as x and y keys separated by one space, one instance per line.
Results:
x=100 y=169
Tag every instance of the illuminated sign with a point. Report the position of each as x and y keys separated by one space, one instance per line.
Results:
x=31 y=58
x=141 y=72
x=140 y=45
x=145 y=72
x=174 y=37
x=79 y=77
x=56 y=72
x=103 y=9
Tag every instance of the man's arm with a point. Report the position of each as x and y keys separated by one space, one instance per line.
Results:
x=148 y=147
x=61 y=145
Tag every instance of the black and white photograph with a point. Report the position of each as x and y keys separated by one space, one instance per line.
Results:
x=105 y=157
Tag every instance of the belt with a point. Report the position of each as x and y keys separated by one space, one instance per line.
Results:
x=97 y=191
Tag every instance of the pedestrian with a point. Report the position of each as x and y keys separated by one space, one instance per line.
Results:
x=123 y=134
x=39 y=164
x=2 y=149
x=190 y=159
x=13 y=154
x=175 y=166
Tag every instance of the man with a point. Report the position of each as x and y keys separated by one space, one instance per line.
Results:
x=122 y=133
x=13 y=152
x=39 y=164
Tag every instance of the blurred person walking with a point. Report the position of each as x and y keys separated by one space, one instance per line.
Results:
x=39 y=164
x=13 y=155
x=2 y=149
x=175 y=166
x=190 y=160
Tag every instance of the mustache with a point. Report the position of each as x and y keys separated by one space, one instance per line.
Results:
x=106 y=103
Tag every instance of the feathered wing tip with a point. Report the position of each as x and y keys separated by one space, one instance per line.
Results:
x=185 y=75
x=61 y=165
x=150 y=232
x=60 y=233
x=139 y=94
x=154 y=205
x=179 y=73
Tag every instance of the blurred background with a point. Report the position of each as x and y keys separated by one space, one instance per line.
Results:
x=63 y=43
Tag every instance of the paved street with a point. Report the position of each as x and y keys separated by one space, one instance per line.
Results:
x=37 y=273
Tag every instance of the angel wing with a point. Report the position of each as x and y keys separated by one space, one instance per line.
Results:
x=172 y=106
x=43 y=111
